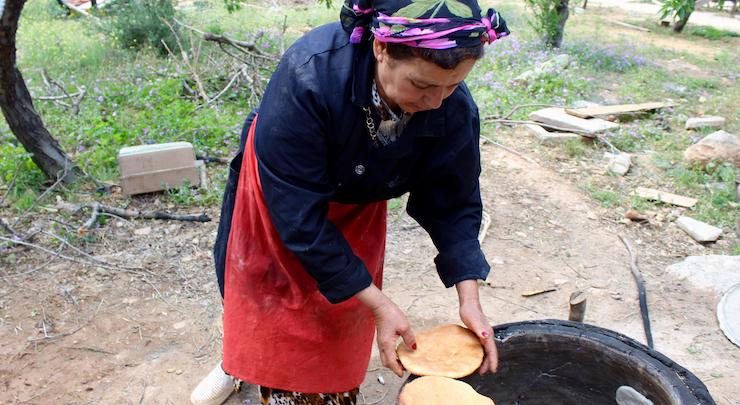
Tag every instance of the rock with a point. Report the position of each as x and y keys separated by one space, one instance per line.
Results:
x=583 y=104
x=705 y=122
x=719 y=145
x=180 y=325
x=627 y=395
x=699 y=231
x=554 y=65
x=551 y=138
x=618 y=163
x=143 y=231
x=676 y=88
x=559 y=62
x=717 y=272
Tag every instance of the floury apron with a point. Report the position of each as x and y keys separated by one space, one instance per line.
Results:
x=279 y=331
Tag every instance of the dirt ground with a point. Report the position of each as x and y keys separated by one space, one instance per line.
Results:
x=78 y=334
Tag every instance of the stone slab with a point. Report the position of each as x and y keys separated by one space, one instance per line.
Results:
x=699 y=231
x=705 y=122
x=551 y=138
x=557 y=117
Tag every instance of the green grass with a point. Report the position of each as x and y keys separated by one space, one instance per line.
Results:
x=574 y=148
x=607 y=198
x=710 y=33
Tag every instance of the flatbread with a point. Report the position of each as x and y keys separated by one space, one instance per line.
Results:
x=433 y=390
x=447 y=351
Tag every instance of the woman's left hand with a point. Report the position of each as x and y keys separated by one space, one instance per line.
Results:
x=473 y=317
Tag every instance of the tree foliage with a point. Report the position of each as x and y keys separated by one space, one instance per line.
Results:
x=679 y=10
x=549 y=20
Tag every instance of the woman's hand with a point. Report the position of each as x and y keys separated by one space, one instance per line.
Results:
x=390 y=323
x=473 y=317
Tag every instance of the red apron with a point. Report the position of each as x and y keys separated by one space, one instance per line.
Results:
x=279 y=331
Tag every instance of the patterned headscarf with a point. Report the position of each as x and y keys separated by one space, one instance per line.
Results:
x=434 y=24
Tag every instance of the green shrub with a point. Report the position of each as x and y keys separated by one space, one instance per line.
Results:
x=136 y=24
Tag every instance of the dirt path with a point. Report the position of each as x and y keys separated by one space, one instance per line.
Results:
x=644 y=9
x=74 y=335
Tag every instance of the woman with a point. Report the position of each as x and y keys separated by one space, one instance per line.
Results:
x=355 y=114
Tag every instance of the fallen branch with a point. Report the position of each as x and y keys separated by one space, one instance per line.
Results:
x=209 y=159
x=98 y=209
x=77 y=97
x=228 y=86
x=518 y=107
x=506 y=148
x=249 y=48
x=563 y=129
x=91 y=262
x=72 y=332
x=40 y=267
x=52 y=98
x=641 y=289
x=8 y=228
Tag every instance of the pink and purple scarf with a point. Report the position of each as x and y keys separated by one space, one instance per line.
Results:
x=434 y=24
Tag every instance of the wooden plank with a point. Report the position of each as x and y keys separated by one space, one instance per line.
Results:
x=657 y=195
x=557 y=117
x=634 y=27
x=588 y=112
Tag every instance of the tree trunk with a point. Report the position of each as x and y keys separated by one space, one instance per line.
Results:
x=563 y=12
x=681 y=23
x=17 y=106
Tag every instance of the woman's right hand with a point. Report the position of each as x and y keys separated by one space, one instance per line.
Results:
x=390 y=323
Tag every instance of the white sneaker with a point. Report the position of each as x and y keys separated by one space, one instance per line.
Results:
x=215 y=388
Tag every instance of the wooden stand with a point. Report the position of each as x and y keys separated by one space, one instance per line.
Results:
x=577 y=306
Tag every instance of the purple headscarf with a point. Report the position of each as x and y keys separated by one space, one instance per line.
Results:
x=434 y=24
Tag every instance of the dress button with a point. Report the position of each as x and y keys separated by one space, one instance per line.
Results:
x=359 y=169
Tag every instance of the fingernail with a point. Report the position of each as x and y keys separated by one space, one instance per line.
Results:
x=413 y=346
x=485 y=334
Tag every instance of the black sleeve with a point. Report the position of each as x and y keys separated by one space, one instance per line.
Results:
x=292 y=153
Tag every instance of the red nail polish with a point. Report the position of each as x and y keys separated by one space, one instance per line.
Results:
x=485 y=334
x=413 y=346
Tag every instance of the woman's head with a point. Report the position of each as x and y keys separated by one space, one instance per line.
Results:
x=414 y=81
x=424 y=48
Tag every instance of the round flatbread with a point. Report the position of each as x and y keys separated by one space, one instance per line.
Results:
x=447 y=351
x=433 y=390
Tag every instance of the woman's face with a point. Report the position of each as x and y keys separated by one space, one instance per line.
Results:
x=414 y=84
